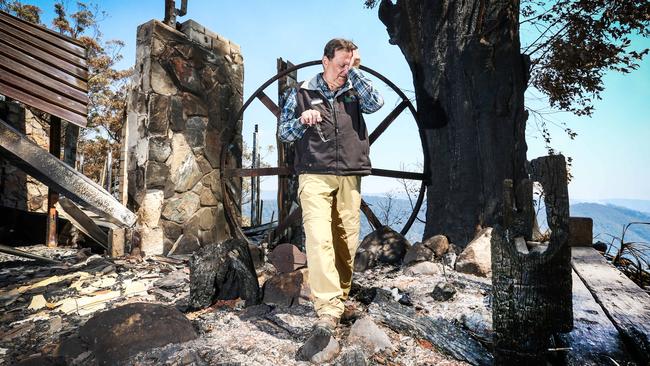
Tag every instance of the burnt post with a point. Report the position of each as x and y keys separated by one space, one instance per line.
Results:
x=532 y=291
x=171 y=12
x=287 y=184
x=53 y=196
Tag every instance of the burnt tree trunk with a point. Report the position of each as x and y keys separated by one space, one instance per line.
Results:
x=532 y=292
x=469 y=79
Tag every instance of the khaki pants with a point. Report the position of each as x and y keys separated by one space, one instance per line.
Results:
x=330 y=214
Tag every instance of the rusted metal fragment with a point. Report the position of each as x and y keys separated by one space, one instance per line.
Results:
x=57 y=175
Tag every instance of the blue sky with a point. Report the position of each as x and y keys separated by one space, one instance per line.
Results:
x=610 y=154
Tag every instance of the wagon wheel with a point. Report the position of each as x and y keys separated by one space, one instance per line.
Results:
x=229 y=202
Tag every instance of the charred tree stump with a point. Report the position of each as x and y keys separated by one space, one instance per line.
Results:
x=532 y=291
x=223 y=271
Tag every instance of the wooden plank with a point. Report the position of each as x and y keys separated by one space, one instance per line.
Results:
x=37 y=162
x=47 y=95
x=8 y=41
x=625 y=303
x=81 y=221
x=51 y=237
x=269 y=104
x=12 y=92
x=69 y=44
x=116 y=240
x=36 y=76
x=55 y=73
x=387 y=121
x=43 y=45
x=594 y=340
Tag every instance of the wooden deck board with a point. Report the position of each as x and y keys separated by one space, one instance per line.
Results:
x=624 y=303
x=594 y=339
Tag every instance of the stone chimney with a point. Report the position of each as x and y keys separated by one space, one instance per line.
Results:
x=187 y=88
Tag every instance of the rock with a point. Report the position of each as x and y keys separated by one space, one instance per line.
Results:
x=161 y=83
x=367 y=334
x=151 y=208
x=422 y=268
x=287 y=288
x=223 y=271
x=159 y=114
x=449 y=259
x=320 y=347
x=257 y=254
x=185 y=171
x=255 y=311
x=176 y=117
x=159 y=148
x=157 y=175
x=185 y=244
x=418 y=253
x=443 y=291
x=383 y=245
x=180 y=208
x=117 y=334
x=438 y=244
x=476 y=258
x=287 y=258
x=195 y=133
x=171 y=229
x=352 y=357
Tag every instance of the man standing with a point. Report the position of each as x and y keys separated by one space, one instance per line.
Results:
x=323 y=117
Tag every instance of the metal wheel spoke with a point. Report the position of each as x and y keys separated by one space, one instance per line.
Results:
x=387 y=121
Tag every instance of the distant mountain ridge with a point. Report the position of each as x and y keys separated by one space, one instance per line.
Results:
x=610 y=216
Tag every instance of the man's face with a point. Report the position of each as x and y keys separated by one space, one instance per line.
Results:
x=336 y=69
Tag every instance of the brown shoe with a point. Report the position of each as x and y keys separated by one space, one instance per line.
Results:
x=328 y=322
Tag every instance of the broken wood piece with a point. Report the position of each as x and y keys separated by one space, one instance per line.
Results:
x=20 y=253
x=116 y=241
x=87 y=304
x=81 y=221
x=42 y=283
x=54 y=173
x=446 y=336
x=38 y=302
x=626 y=304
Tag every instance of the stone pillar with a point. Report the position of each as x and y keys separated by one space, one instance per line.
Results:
x=17 y=189
x=188 y=88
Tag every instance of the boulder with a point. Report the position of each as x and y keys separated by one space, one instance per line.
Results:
x=117 y=334
x=443 y=291
x=476 y=258
x=383 y=245
x=418 y=253
x=287 y=288
x=438 y=244
x=319 y=348
x=352 y=357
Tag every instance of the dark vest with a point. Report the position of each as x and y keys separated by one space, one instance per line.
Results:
x=347 y=150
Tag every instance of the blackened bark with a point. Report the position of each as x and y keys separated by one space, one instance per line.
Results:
x=532 y=292
x=469 y=79
x=223 y=271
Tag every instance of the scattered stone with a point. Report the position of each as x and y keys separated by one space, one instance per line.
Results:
x=383 y=245
x=287 y=258
x=223 y=271
x=418 y=253
x=439 y=245
x=352 y=357
x=320 y=347
x=255 y=311
x=257 y=253
x=288 y=288
x=480 y=324
x=38 y=302
x=476 y=258
x=367 y=334
x=443 y=291
x=422 y=268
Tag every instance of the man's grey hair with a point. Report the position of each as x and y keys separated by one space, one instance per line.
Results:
x=338 y=44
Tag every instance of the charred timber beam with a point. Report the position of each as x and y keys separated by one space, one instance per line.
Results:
x=81 y=221
x=52 y=195
x=20 y=253
x=59 y=176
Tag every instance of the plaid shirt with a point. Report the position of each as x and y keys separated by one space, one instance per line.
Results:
x=290 y=128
